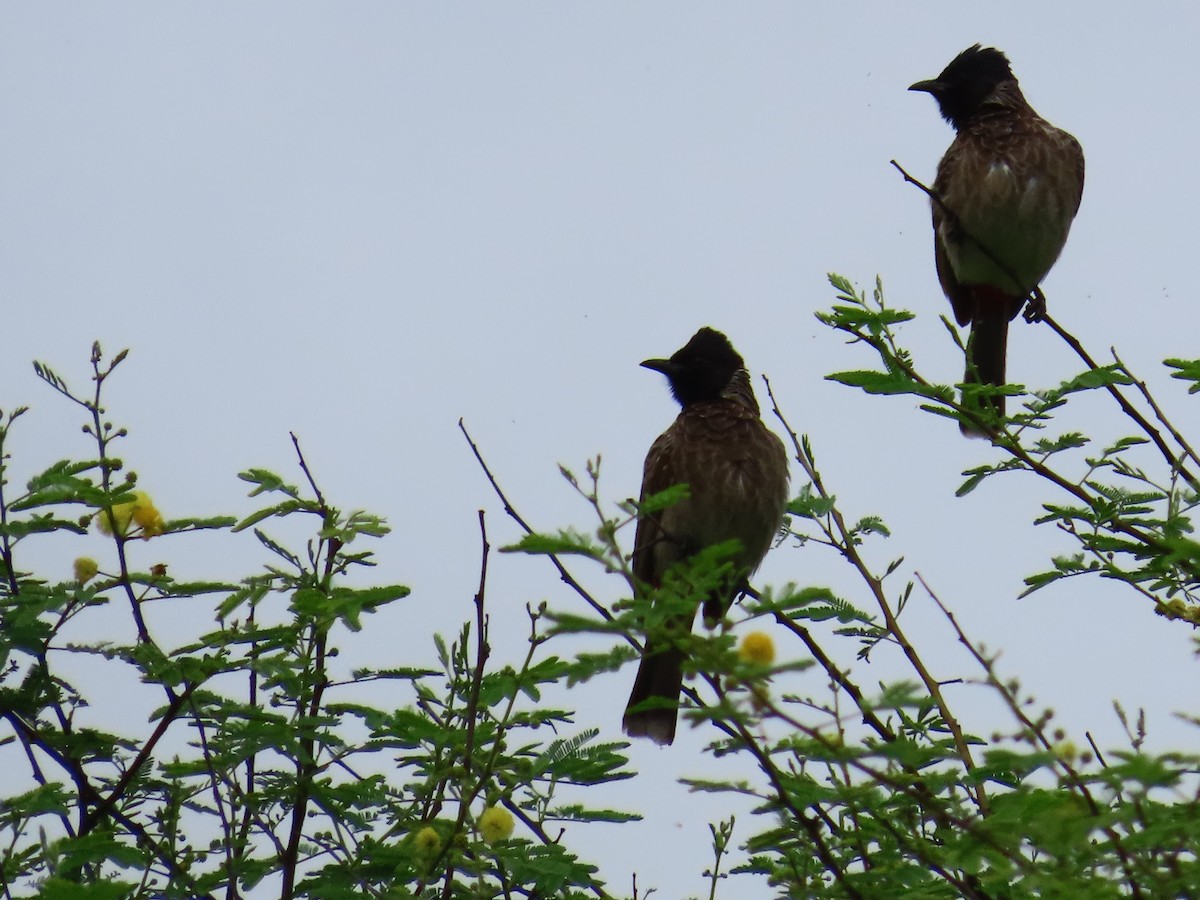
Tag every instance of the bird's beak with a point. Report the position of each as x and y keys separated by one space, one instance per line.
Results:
x=659 y=365
x=933 y=86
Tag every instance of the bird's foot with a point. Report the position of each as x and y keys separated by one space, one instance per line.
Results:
x=1035 y=309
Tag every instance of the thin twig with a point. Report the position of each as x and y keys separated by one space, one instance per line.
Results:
x=1176 y=463
x=512 y=513
x=846 y=546
x=306 y=764
x=89 y=795
x=954 y=219
x=483 y=649
x=1036 y=732
x=838 y=677
x=1158 y=413
x=105 y=806
x=304 y=468
x=784 y=797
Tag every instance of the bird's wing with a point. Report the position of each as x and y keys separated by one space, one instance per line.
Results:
x=656 y=477
x=1075 y=152
x=961 y=299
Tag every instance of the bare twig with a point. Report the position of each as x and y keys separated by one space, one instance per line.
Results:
x=1158 y=413
x=304 y=468
x=482 y=649
x=1175 y=462
x=512 y=513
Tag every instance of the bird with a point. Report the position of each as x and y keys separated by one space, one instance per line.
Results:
x=1007 y=190
x=736 y=471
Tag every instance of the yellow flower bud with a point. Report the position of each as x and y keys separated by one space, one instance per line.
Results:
x=85 y=569
x=428 y=841
x=496 y=824
x=1066 y=751
x=146 y=515
x=116 y=521
x=757 y=648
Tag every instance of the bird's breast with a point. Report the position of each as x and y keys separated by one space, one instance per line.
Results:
x=1013 y=193
x=736 y=470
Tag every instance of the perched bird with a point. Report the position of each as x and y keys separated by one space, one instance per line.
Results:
x=1011 y=183
x=736 y=471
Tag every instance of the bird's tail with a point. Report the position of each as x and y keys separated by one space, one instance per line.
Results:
x=987 y=349
x=659 y=676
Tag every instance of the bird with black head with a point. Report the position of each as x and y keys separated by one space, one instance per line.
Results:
x=736 y=471
x=1008 y=189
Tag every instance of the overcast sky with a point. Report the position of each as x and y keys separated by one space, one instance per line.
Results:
x=360 y=222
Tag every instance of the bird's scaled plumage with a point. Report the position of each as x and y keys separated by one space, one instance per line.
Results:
x=1007 y=191
x=736 y=471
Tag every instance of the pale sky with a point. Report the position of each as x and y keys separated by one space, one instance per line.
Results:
x=361 y=222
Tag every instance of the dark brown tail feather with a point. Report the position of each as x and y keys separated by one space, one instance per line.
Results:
x=986 y=351
x=660 y=675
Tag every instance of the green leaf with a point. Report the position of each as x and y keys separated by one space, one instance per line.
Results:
x=880 y=382
x=61 y=889
x=65 y=482
x=286 y=508
x=1070 y=440
x=1092 y=379
x=1186 y=370
x=265 y=482
x=178 y=526
x=809 y=504
x=39 y=524
x=655 y=503
x=565 y=542
x=871 y=525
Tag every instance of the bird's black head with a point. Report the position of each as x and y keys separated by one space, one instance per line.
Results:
x=967 y=82
x=702 y=370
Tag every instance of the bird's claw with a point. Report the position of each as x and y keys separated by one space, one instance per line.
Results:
x=1035 y=309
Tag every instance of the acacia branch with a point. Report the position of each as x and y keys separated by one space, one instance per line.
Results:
x=846 y=546
x=784 y=797
x=1158 y=413
x=306 y=763
x=1012 y=446
x=1037 y=733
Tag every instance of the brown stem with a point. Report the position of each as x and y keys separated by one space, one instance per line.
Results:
x=1158 y=413
x=105 y=806
x=1037 y=733
x=784 y=797
x=512 y=513
x=846 y=546
x=306 y=764
x=1176 y=463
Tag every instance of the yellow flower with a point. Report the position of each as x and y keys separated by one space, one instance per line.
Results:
x=496 y=824
x=139 y=511
x=116 y=522
x=85 y=569
x=428 y=841
x=757 y=648
x=146 y=514
x=1065 y=751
